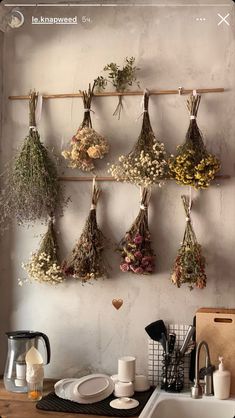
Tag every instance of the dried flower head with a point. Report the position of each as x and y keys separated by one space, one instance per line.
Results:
x=137 y=255
x=31 y=189
x=121 y=79
x=86 y=145
x=193 y=165
x=146 y=164
x=43 y=266
x=87 y=261
x=189 y=265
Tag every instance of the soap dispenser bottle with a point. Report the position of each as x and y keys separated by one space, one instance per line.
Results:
x=221 y=381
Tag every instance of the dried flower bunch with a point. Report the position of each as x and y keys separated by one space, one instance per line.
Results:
x=146 y=164
x=137 y=255
x=43 y=266
x=189 y=265
x=87 y=261
x=31 y=189
x=193 y=165
x=87 y=145
x=121 y=79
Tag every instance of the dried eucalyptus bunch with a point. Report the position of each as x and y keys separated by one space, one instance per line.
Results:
x=193 y=165
x=121 y=79
x=146 y=164
x=87 y=260
x=43 y=266
x=31 y=189
x=189 y=265
x=87 y=145
x=137 y=255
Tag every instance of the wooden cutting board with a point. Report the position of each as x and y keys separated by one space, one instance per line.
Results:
x=217 y=327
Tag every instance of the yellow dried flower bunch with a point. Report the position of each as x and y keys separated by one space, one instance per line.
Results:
x=193 y=165
x=87 y=145
x=146 y=164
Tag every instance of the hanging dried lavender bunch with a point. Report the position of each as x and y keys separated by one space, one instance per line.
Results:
x=193 y=164
x=31 y=189
x=87 y=261
x=189 y=265
x=87 y=145
x=121 y=79
x=43 y=266
x=137 y=255
x=146 y=164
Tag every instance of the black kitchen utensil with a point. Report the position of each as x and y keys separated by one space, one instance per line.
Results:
x=156 y=329
x=193 y=356
x=171 y=342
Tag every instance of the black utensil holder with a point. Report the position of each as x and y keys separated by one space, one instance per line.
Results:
x=172 y=372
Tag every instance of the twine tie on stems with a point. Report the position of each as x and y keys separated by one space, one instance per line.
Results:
x=88 y=110
x=180 y=91
x=146 y=91
x=93 y=205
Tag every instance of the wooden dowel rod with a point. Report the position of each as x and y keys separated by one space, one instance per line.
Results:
x=125 y=93
x=104 y=178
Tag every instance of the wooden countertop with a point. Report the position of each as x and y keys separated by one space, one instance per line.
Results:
x=17 y=405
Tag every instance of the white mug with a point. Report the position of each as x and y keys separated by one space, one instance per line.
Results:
x=126 y=369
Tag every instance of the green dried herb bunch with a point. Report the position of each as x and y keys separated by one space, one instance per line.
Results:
x=189 y=265
x=31 y=190
x=87 y=145
x=43 y=266
x=121 y=79
x=137 y=255
x=193 y=165
x=87 y=261
x=146 y=164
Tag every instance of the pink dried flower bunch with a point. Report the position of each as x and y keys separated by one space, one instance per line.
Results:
x=137 y=255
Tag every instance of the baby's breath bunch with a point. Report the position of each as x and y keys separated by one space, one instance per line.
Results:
x=189 y=265
x=87 y=261
x=136 y=251
x=146 y=164
x=193 y=165
x=121 y=79
x=86 y=145
x=31 y=189
x=43 y=266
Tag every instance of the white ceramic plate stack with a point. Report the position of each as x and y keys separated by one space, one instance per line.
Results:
x=87 y=390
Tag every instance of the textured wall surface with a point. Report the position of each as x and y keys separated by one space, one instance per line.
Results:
x=172 y=49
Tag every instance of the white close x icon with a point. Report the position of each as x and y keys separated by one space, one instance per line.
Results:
x=223 y=19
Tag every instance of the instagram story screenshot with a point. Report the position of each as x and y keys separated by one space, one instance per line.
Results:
x=117 y=207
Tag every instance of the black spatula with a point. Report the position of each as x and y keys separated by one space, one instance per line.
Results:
x=156 y=330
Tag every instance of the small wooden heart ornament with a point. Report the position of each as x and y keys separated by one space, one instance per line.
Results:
x=117 y=303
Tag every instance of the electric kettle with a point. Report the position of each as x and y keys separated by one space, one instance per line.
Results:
x=19 y=342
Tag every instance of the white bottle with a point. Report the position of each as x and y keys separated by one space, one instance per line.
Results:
x=221 y=381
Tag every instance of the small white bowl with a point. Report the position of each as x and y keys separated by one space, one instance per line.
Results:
x=123 y=389
x=141 y=383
